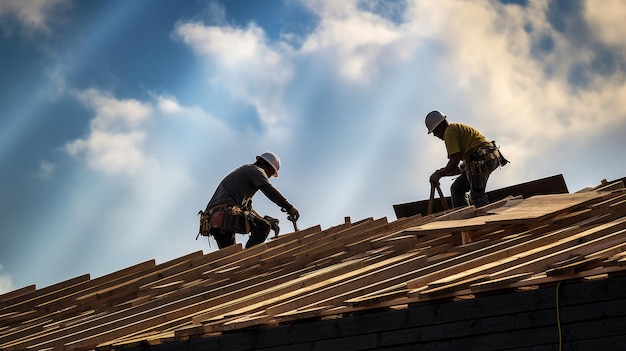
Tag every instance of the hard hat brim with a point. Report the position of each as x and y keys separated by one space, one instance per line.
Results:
x=275 y=175
x=435 y=127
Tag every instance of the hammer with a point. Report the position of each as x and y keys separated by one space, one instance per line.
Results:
x=293 y=220
x=295 y=225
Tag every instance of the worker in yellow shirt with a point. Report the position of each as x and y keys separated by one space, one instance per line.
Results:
x=480 y=157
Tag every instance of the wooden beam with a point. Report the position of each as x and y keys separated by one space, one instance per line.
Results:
x=502 y=250
x=549 y=185
x=333 y=288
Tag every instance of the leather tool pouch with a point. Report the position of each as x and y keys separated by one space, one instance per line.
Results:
x=220 y=220
x=205 y=227
x=223 y=220
x=481 y=163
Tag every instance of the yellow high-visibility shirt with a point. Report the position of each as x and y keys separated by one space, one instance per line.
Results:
x=462 y=138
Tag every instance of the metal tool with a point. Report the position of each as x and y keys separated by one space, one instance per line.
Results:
x=295 y=225
x=292 y=220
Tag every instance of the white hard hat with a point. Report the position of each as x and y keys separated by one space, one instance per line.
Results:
x=273 y=160
x=433 y=119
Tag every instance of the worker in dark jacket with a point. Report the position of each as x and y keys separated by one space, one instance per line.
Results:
x=230 y=209
x=480 y=157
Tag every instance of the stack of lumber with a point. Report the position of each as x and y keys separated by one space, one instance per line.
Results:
x=314 y=274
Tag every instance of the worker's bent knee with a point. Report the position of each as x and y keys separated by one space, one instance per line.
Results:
x=224 y=239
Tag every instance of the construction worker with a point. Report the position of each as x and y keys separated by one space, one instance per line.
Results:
x=230 y=209
x=480 y=157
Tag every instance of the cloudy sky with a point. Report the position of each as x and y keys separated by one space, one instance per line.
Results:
x=118 y=118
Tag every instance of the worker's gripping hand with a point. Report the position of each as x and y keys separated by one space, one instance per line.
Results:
x=293 y=214
x=434 y=178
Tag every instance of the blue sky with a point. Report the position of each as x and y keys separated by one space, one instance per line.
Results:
x=118 y=118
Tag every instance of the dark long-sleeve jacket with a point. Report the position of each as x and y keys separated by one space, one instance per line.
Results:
x=240 y=185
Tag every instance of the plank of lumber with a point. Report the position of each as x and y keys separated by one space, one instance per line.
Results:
x=506 y=202
x=472 y=246
x=301 y=314
x=319 y=241
x=443 y=289
x=392 y=230
x=248 y=295
x=458 y=213
x=276 y=295
x=29 y=300
x=338 y=242
x=353 y=291
x=196 y=266
x=293 y=236
x=501 y=250
x=366 y=276
x=242 y=322
x=615 y=259
x=11 y=295
x=448 y=281
x=619 y=185
x=154 y=307
x=542 y=279
x=464 y=267
x=578 y=216
x=532 y=259
x=499 y=283
x=541 y=207
x=144 y=320
x=586 y=248
x=108 y=281
x=575 y=267
x=452 y=226
x=550 y=185
x=130 y=287
x=291 y=240
x=373 y=298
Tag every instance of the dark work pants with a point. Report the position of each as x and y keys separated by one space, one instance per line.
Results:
x=459 y=189
x=259 y=231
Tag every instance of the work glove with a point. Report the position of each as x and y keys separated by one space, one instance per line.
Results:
x=273 y=224
x=293 y=214
x=434 y=178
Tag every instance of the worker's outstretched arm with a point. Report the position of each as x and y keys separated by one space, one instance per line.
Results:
x=275 y=196
x=451 y=168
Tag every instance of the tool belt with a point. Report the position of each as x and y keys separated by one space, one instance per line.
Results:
x=481 y=161
x=223 y=219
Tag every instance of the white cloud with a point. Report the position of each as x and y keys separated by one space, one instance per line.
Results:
x=359 y=40
x=112 y=152
x=501 y=68
x=248 y=66
x=33 y=15
x=486 y=57
x=6 y=282
x=112 y=113
x=114 y=142
x=606 y=18
x=168 y=105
